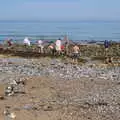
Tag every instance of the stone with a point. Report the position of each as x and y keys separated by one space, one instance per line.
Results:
x=47 y=108
x=9 y=91
x=12 y=115
x=27 y=107
x=9 y=115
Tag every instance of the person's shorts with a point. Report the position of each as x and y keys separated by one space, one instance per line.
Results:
x=58 y=48
x=75 y=55
x=26 y=44
x=40 y=46
x=106 y=48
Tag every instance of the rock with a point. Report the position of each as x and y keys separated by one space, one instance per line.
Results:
x=9 y=115
x=12 y=115
x=1 y=97
x=9 y=91
x=19 y=89
x=13 y=82
x=47 y=108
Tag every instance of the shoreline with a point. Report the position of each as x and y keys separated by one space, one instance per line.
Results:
x=92 y=51
x=84 y=42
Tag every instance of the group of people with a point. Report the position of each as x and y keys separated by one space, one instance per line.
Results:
x=55 y=48
x=58 y=48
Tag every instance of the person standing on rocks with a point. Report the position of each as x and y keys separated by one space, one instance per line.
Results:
x=108 y=59
x=40 y=46
x=51 y=49
x=66 y=44
x=58 y=46
x=106 y=45
x=26 y=41
x=9 y=43
x=75 y=53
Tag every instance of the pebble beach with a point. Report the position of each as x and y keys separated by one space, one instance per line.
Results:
x=55 y=89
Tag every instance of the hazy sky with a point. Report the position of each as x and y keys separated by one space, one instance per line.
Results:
x=60 y=9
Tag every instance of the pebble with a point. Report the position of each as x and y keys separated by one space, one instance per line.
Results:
x=9 y=115
x=47 y=108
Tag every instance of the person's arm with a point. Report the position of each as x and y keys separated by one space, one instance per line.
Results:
x=79 y=49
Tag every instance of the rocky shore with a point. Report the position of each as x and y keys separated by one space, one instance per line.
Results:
x=58 y=68
x=55 y=89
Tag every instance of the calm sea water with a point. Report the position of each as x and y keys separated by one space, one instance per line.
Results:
x=82 y=30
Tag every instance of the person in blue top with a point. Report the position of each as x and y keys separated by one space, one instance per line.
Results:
x=106 y=44
x=108 y=59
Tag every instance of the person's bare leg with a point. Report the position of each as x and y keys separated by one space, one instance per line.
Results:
x=73 y=60
x=39 y=50
x=76 y=61
x=58 y=52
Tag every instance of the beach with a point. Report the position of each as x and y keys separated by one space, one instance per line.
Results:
x=53 y=88
x=60 y=60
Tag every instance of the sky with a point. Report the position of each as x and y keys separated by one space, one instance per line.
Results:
x=59 y=10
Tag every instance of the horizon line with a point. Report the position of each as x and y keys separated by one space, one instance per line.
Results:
x=37 y=20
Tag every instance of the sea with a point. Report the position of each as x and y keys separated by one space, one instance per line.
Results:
x=51 y=30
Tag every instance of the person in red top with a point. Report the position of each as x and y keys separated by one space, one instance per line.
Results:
x=62 y=47
x=9 y=42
